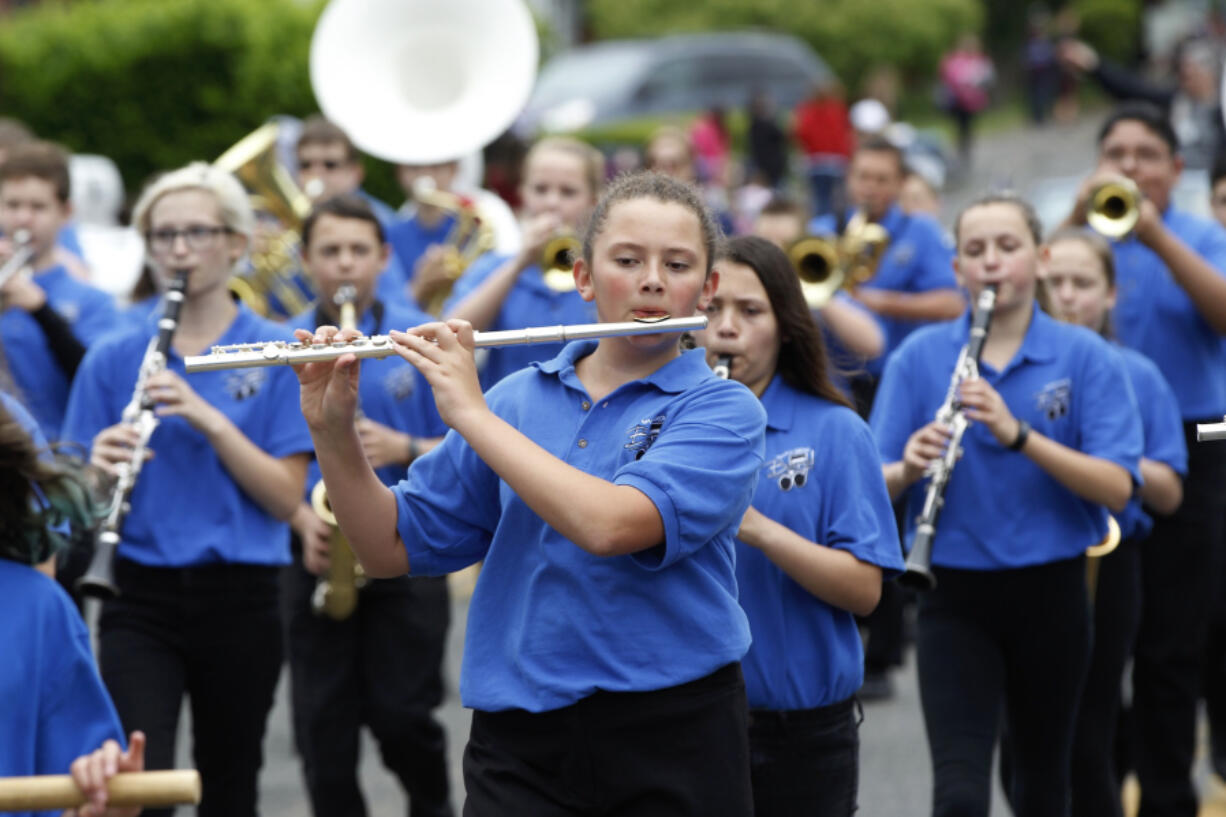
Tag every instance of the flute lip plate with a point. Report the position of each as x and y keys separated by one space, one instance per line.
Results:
x=652 y=319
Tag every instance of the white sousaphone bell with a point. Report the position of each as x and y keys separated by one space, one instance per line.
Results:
x=423 y=81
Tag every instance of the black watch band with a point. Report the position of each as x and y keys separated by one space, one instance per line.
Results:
x=1023 y=434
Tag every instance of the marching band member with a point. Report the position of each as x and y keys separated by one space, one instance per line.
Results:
x=201 y=548
x=811 y=549
x=1171 y=271
x=561 y=180
x=57 y=712
x=34 y=197
x=604 y=634
x=1055 y=436
x=1078 y=282
x=418 y=236
x=381 y=666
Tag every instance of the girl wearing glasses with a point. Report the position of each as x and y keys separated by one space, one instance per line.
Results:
x=201 y=547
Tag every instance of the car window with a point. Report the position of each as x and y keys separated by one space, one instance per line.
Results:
x=590 y=73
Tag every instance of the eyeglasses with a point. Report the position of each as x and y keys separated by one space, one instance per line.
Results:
x=198 y=237
x=324 y=164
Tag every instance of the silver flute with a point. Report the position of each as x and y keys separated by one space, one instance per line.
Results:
x=23 y=253
x=1209 y=432
x=283 y=353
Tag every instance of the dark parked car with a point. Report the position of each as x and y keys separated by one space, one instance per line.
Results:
x=618 y=80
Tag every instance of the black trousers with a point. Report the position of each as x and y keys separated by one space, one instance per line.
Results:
x=1014 y=642
x=209 y=632
x=382 y=668
x=1117 y=612
x=1177 y=585
x=805 y=763
x=670 y=752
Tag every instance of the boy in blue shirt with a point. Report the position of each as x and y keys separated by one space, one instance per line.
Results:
x=34 y=197
x=382 y=664
x=602 y=489
x=1171 y=271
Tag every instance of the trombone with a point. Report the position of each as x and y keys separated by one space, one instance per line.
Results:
x=827 y=265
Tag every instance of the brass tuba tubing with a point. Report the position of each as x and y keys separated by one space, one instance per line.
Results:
x=283 y=353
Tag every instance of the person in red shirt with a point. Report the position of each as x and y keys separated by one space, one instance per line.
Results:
x=822 y=130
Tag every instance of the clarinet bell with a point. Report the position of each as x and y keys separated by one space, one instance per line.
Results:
x=99 y=579
x=918 y=570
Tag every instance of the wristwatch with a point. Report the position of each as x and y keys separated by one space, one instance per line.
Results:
x=1023 y=434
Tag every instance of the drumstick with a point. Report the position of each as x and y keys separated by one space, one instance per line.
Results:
x=58 y=791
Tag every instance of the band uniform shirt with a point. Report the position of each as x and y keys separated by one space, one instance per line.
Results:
x=529 y=303
x=90 y=312
x=55 y=706
x=918 y=259
x=549 y=623
x=186 y=508
x=1154 y=315
x=822 y=479
x=1162 y=430
x=390 y=391
x=409 y=239
x=1001 y=509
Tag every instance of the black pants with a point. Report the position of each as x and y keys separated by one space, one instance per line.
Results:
x=1117 y=612
x=381 y=667
x=213 y=633
x=1177 y=583
x=1011 y=641
x=676 y=751
x=805 y=763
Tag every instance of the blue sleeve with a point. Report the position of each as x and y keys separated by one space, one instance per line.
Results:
x=935 y=267
x=1212 y=246
x=859 y=516
x=447 y=508
x=91 y=399
x=1110 y=422
x=18 y=412
x=896 y=408
x=473 y=277
x=701 y=471
x=98 y=316
x=1162 y=421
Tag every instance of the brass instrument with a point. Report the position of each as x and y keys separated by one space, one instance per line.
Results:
x=336 y=595
x=19 y=261
x=827 y=265
x=1096 y=553
x=152 y=789
x=99 y=578
x=558 y=261
x=918 y=572
x=284 y=353
x=1114 y=208
x=274 y=255
x=467 y=240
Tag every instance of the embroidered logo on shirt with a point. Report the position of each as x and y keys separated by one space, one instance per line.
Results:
x=791 y=468
x=241 y=385
x=644 y=434
x=400 y=382
x=1054 y=398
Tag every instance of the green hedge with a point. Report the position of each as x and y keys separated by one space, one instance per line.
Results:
x=155 y=83
x=853 y=36
x=1111 y=26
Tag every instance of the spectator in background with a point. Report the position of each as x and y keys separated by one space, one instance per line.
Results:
x=711 y=145
x=919 y=195
x=768 y=144
x=1040 y=66
x=669 y=151
x=822 y=129
x=967 y=76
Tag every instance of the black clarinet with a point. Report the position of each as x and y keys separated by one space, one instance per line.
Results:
x=723 y=367
x=99 y=579
x=918 y=572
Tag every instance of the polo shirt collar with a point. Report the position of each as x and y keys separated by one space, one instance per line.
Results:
x=1038 y=346
x=679 y=374
x=780 y=404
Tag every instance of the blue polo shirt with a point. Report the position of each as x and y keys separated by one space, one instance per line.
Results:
x=186 y=508
x=805 y=652
x=409 y=239
x=918 y=259
x=1155 y=316
x=549 y=623
x=1162 y=428
x=55 y=706
x=390 y=391
x=1001 y=510
x=529 y=303
x=90 y=312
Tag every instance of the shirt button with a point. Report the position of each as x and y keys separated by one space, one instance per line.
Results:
x=586 y=405
x=605 y=404
x=583 y=443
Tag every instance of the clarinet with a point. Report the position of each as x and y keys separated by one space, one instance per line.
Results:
x=918 y=572
x=723 y=367
x=99 y=579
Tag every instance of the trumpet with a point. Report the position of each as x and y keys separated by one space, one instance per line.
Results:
x=23 y=253
x=918 y=572
x=99 y=578
x=827 y=265
x=1114 y=208
x=336 y=595
x=284 y=353
x=558 y=261
x=468 y=239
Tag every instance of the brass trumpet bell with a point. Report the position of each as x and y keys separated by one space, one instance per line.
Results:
x=816 y=262
x=558 y=262
x=1114 y=208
